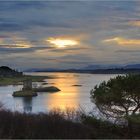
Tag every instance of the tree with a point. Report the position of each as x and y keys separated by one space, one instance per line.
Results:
x=119 y=97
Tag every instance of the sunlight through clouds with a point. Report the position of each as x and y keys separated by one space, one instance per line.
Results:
x=62 y=43
x=77 y=31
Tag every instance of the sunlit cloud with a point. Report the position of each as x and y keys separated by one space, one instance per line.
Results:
x=135 y=23
x=1 y=40
x=15 y=45
x=14 y=42
x=123 y=41
x=62 y=43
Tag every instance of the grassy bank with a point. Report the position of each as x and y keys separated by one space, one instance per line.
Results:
x=19 y=79
x=58 y=125
x=28 y=93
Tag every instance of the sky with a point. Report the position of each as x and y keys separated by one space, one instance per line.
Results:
x=69 y=34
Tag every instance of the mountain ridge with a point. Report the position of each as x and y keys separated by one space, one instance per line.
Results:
x=88 y=68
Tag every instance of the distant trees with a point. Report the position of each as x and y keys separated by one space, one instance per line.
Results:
x=119 y=97
x=8 y=72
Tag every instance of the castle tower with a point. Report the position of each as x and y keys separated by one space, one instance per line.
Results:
x=27 y=85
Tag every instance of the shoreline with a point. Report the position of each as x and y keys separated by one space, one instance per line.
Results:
x=98 y=71
x=5 y=81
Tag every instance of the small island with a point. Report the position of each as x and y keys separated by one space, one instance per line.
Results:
x=47 y=89
x=77 y=85
x=28 y=91
x=9 y=76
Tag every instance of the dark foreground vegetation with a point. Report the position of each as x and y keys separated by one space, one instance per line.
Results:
x=61 y=125
x=51 y=125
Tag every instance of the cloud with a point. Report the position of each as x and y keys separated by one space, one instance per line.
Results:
x=15 y=45
x=25 y=15
x=128 y=51
x=11 y=24
x=135 y=23
x=8 y=50
x=123 y=41
x=20 y=5
x=32 y=21
x=14 y=42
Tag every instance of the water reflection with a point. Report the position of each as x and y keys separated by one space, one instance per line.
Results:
x=68 y=96
x=27 y=104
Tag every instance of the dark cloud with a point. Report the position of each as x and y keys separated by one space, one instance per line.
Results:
x=19 y=50
x=67 y=49
x=20 y=5
x=49 y=24
x=10 y=26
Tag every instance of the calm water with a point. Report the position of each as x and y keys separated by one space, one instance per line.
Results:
x=69 y=96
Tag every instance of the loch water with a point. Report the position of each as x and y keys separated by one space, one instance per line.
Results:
x=75 y=93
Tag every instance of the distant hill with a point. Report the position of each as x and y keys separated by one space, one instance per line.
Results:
x=97 y=69
x=6 y=71
x=41 y=70
x=134 y=66
x=130 y=66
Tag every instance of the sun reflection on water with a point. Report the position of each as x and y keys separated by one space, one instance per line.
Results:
x=67 y=97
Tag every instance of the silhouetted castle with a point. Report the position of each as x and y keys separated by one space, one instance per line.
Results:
x=27 y=85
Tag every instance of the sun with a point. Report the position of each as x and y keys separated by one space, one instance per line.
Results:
x=62 y=43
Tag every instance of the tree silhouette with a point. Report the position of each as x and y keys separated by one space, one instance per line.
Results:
x=119 y=97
